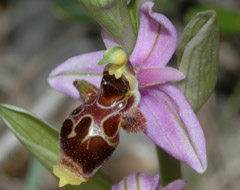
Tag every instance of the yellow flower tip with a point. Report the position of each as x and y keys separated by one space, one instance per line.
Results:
x=66 y=176
x=114 y=55
x=121 y=59
x=117 y=70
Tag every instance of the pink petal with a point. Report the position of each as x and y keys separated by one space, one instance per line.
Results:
x=81 y=67
x=173 y=125
x=134 y=180
x=108 y=40
x=157 y=39
x=176 y=185
x=157 y=75
x=156 y=182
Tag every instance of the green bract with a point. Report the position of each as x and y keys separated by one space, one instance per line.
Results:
x=229 y=21
x=42 y=140
x=198 y=58
x=113 y=16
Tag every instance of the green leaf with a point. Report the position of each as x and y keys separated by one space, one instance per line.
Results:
x=113 y=16
x=198 y=58
x=229 y=21
x=42 y=140
x=39 y=137
x=71 y=10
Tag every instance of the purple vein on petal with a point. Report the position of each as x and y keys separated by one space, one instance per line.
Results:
x=75 y=74
x=149 y=76
x=167 y=125
x=157 y=39
x=181 y=122
x=189 y=120
x=81 y=67
x=153 y=47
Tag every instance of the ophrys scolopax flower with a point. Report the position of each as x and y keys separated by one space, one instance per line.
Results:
x=170 y=121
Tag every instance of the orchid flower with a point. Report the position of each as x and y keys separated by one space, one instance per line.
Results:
x=136 y=181
x=170 y=121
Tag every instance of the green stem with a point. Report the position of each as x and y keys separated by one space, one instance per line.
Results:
x=132 y=9
x=170 y=168
x=33 y=175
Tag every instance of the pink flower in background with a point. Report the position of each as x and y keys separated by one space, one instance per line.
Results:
x=171 y=122
x=136 y=181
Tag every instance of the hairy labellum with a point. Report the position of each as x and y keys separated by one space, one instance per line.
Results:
x=90 y=134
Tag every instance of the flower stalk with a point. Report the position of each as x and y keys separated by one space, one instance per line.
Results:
x=170 y=168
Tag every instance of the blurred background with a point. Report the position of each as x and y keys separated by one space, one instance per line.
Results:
x=36 y=36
